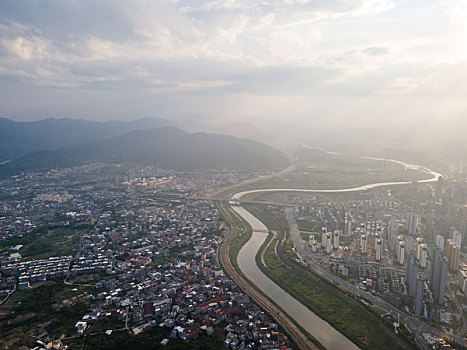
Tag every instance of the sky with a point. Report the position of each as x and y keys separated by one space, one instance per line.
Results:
x=319 y=62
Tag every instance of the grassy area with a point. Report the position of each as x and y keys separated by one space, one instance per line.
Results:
x=41 y=310
x=44 y=243
x=310 y=226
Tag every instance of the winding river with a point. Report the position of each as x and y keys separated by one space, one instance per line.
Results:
x=320 y=329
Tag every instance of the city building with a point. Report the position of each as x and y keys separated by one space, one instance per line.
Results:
x=401 y=252
x=314 y=246
x=439 y=268
x=363 y=243
x=440 y=242
x=420 y=282
x=419 y=247
x=328 y=242
x=324 y=231
x=457 y=238
x=439 y=188
x=452 y=253
x=379 y=249
x=411 y=274
x=412 y=222
x=423 y=255
x=336 y=239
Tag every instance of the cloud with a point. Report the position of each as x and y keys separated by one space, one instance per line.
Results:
x=193 y=50
x=376 y=51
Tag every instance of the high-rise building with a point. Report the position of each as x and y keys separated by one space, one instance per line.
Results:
x=457 y=238
x=439 y=268
x=411 y=273
x=393 y=232
x=435 y=255
x=419 y=247
x=442 y=280
x=314 y=246
x=363 y=243
x=336 y=239
x=440 y=242
x=377 y=236
x=401 y=251
x=419 y=295
x=324 y=230
x=439 y=188
x=452 y=253
x=398 y=245
x=423 y=255
x=412 y=222
x=379 y=249
x=348 y=226
x=328 y=242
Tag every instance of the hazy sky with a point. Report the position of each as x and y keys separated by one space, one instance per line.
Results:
x=327 y=60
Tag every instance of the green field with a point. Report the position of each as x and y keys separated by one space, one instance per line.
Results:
x=41 y=309
x=44 y=243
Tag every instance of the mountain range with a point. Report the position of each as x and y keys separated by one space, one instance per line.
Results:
x=54 y=143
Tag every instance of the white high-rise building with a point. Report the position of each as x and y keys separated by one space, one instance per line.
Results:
x=419 y=247
x=379 y=249
x=328 y=242
x=377 y=236
x=400 y=257
x=423 y=255
x=440 y=242
x=457 y=238
x=400 y=239
x=363 y=243
x=324 y=230
x=314 y=246
x=336 y=239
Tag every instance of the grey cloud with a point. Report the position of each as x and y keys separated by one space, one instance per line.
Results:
x=376 y=51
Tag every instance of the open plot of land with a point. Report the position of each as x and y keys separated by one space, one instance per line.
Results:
x=44 y=243
x=47 y=309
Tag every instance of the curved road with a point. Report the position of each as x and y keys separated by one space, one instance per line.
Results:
x=317 y=327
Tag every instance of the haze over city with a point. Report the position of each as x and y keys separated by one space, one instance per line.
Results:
x=238 y=174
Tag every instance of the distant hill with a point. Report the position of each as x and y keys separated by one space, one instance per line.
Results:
x=167 y=147
x=20 y=138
